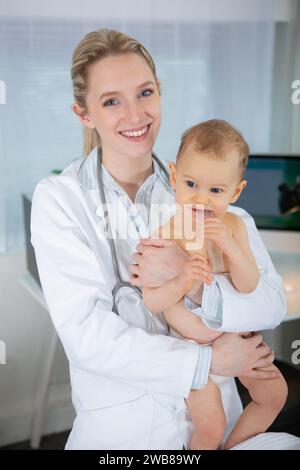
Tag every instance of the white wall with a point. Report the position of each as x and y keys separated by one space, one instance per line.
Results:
x=25 y=327
x=158 y=10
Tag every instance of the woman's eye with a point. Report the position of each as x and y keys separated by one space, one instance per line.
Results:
x=216 y=190
x=146 y=92
x=110 y=102
x=191 y=184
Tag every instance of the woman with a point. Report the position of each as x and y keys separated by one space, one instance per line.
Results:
x=128 y=384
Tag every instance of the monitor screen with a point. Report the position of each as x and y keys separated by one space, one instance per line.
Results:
x=262 y=197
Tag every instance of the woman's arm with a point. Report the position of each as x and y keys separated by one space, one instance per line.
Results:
x=158 y=299
x=77 y=288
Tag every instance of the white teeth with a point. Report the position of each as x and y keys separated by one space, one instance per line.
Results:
x=135 y=133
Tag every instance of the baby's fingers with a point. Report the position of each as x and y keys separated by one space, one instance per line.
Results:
x=199 y=258
x=202 y=274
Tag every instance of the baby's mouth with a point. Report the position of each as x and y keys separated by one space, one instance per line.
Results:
x=205 y=213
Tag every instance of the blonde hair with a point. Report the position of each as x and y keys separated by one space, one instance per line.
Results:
x=93 y=47
x=215 y=138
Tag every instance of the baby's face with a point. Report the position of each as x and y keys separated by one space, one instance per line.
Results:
x=199 y=178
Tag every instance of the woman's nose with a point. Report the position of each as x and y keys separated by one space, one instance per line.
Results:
x=134 y=113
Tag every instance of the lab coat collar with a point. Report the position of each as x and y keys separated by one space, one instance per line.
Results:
x=87 y=171
x=87 y=167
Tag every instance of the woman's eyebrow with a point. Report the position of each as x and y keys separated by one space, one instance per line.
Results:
x=109 y=93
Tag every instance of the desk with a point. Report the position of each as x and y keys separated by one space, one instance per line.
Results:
x=41 y=399
x=282 y=338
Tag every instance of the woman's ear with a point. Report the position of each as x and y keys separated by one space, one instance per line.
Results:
x=238 y=191
x=82 y=116
x=172 y=168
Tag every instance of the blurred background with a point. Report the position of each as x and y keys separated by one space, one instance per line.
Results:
x=230 y=59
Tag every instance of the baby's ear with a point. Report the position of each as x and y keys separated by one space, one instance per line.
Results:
x=172 y=168
x=241 y=186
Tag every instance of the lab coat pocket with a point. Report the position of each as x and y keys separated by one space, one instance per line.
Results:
x=123 y=426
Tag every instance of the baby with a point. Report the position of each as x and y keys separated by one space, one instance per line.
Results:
x=207 y=177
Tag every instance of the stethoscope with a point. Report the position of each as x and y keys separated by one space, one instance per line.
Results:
x=120 y=283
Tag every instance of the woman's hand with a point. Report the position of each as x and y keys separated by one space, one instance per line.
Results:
x=236 y=355
x=156 y=261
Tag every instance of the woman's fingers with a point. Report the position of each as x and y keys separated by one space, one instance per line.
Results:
x=135 y=281
x=140 y=248
x=155 y=242
x=263 y=374
x=134 y=269
x=256 y=339
x=265 y=361
x=137 y=257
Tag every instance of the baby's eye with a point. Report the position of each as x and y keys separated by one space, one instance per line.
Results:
x=110 y=102
x=191 y=184
x=216 y=190
x=147 y=92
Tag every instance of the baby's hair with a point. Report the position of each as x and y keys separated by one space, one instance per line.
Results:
x=215 y=138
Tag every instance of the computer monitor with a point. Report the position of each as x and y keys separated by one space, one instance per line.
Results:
x=265 y=198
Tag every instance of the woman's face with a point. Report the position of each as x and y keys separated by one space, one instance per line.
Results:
x=123 y=104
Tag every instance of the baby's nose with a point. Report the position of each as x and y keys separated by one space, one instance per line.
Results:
x=202 y=199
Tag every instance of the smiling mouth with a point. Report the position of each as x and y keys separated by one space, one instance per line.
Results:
x=136 y=135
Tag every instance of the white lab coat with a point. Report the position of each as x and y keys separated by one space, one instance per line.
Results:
x=128 y=386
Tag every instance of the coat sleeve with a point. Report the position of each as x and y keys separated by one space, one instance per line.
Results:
x=79 y=301
x=265 y=307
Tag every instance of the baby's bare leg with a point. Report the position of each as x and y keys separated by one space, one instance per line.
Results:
x=207 y=413
x=269 y=397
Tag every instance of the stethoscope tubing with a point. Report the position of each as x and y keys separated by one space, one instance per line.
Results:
x=120 y=282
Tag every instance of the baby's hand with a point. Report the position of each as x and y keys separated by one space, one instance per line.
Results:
x=216 y=230
x=197 y=267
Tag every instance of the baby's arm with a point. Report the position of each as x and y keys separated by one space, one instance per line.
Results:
x=189 y=325
x=158 y=299
x=241 y=262
x=232 y=239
